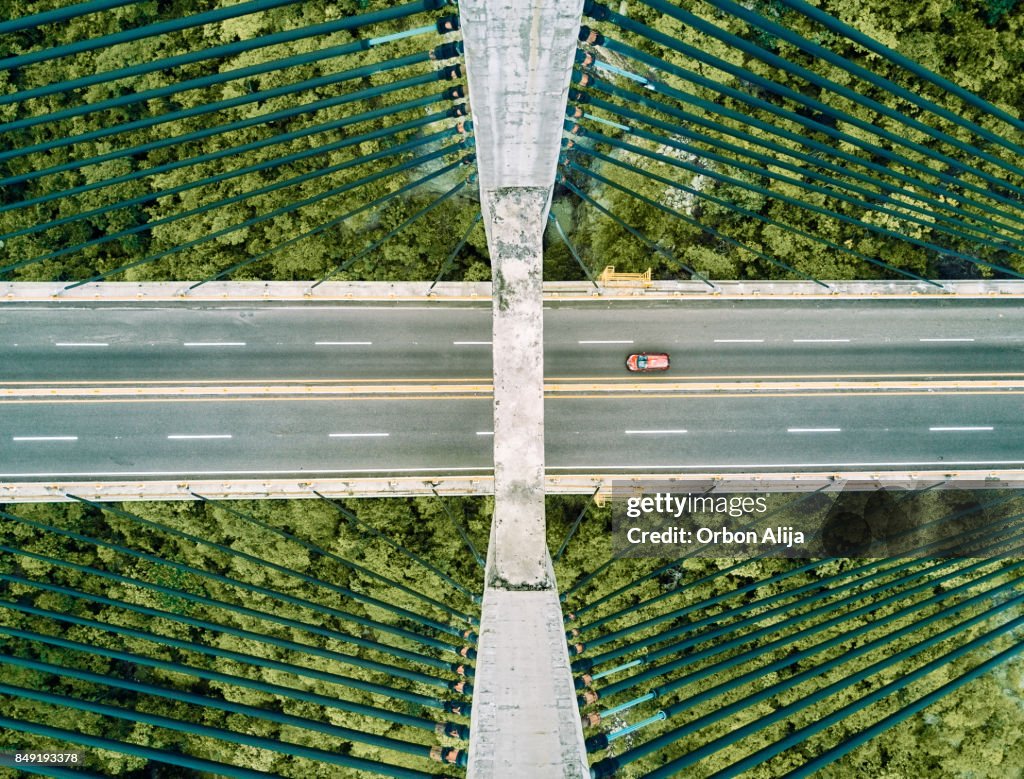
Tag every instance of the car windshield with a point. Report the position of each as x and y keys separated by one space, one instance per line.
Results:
x=641 y=361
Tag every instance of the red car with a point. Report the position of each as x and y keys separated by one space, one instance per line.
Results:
x=644 y=362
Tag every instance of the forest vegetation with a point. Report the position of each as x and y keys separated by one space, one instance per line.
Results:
x=974 y=43
x=946 y=740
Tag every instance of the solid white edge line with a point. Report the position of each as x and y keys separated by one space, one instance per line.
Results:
x=214 y=343
x=814 y=430
x=490 y=468
x=44 y=438
x=776 y=466
x=281 y=472
x=198 y=437
x=69 y=343
x=358 y=435
x=958 y=429
x=485 y=432
x=654 y=432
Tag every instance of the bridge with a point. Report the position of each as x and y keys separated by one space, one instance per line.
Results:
x=182 y=391
x=712 y=143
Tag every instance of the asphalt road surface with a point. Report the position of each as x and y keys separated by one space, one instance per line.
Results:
x=175 y=391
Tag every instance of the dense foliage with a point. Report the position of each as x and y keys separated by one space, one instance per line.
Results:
x=972 y=42
x=415 y=253
x=945 y=740
x=975 y=43
x=420 y=525
x=968 y=43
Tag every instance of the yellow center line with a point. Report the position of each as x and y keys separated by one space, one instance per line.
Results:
x=769 y=386
x=573 y=389
x=689 y=389
x=779 y=394
x=262 y=399
x=731 y=391
x=789 y=376
x=239 y=382
x=449 y=380
x=242 y=390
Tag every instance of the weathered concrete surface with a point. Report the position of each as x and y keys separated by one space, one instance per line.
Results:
x=578 y=484
x=795 y=290
x=519 y=57
x=525 y=724
x=419 y=291
x=56 y=491
x=517 y=555
x=179 y=291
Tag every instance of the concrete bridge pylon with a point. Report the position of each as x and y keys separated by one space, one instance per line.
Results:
x=519 y=58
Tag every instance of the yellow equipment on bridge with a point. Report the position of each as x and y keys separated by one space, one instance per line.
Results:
x=610 y=278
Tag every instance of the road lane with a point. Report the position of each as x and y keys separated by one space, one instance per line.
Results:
x=706 y=339
x=227 y=343
x=286 y=437
x=752 y=432
x=726 y=433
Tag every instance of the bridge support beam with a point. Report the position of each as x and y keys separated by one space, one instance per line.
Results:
x=517 y=555
x=519 y=57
